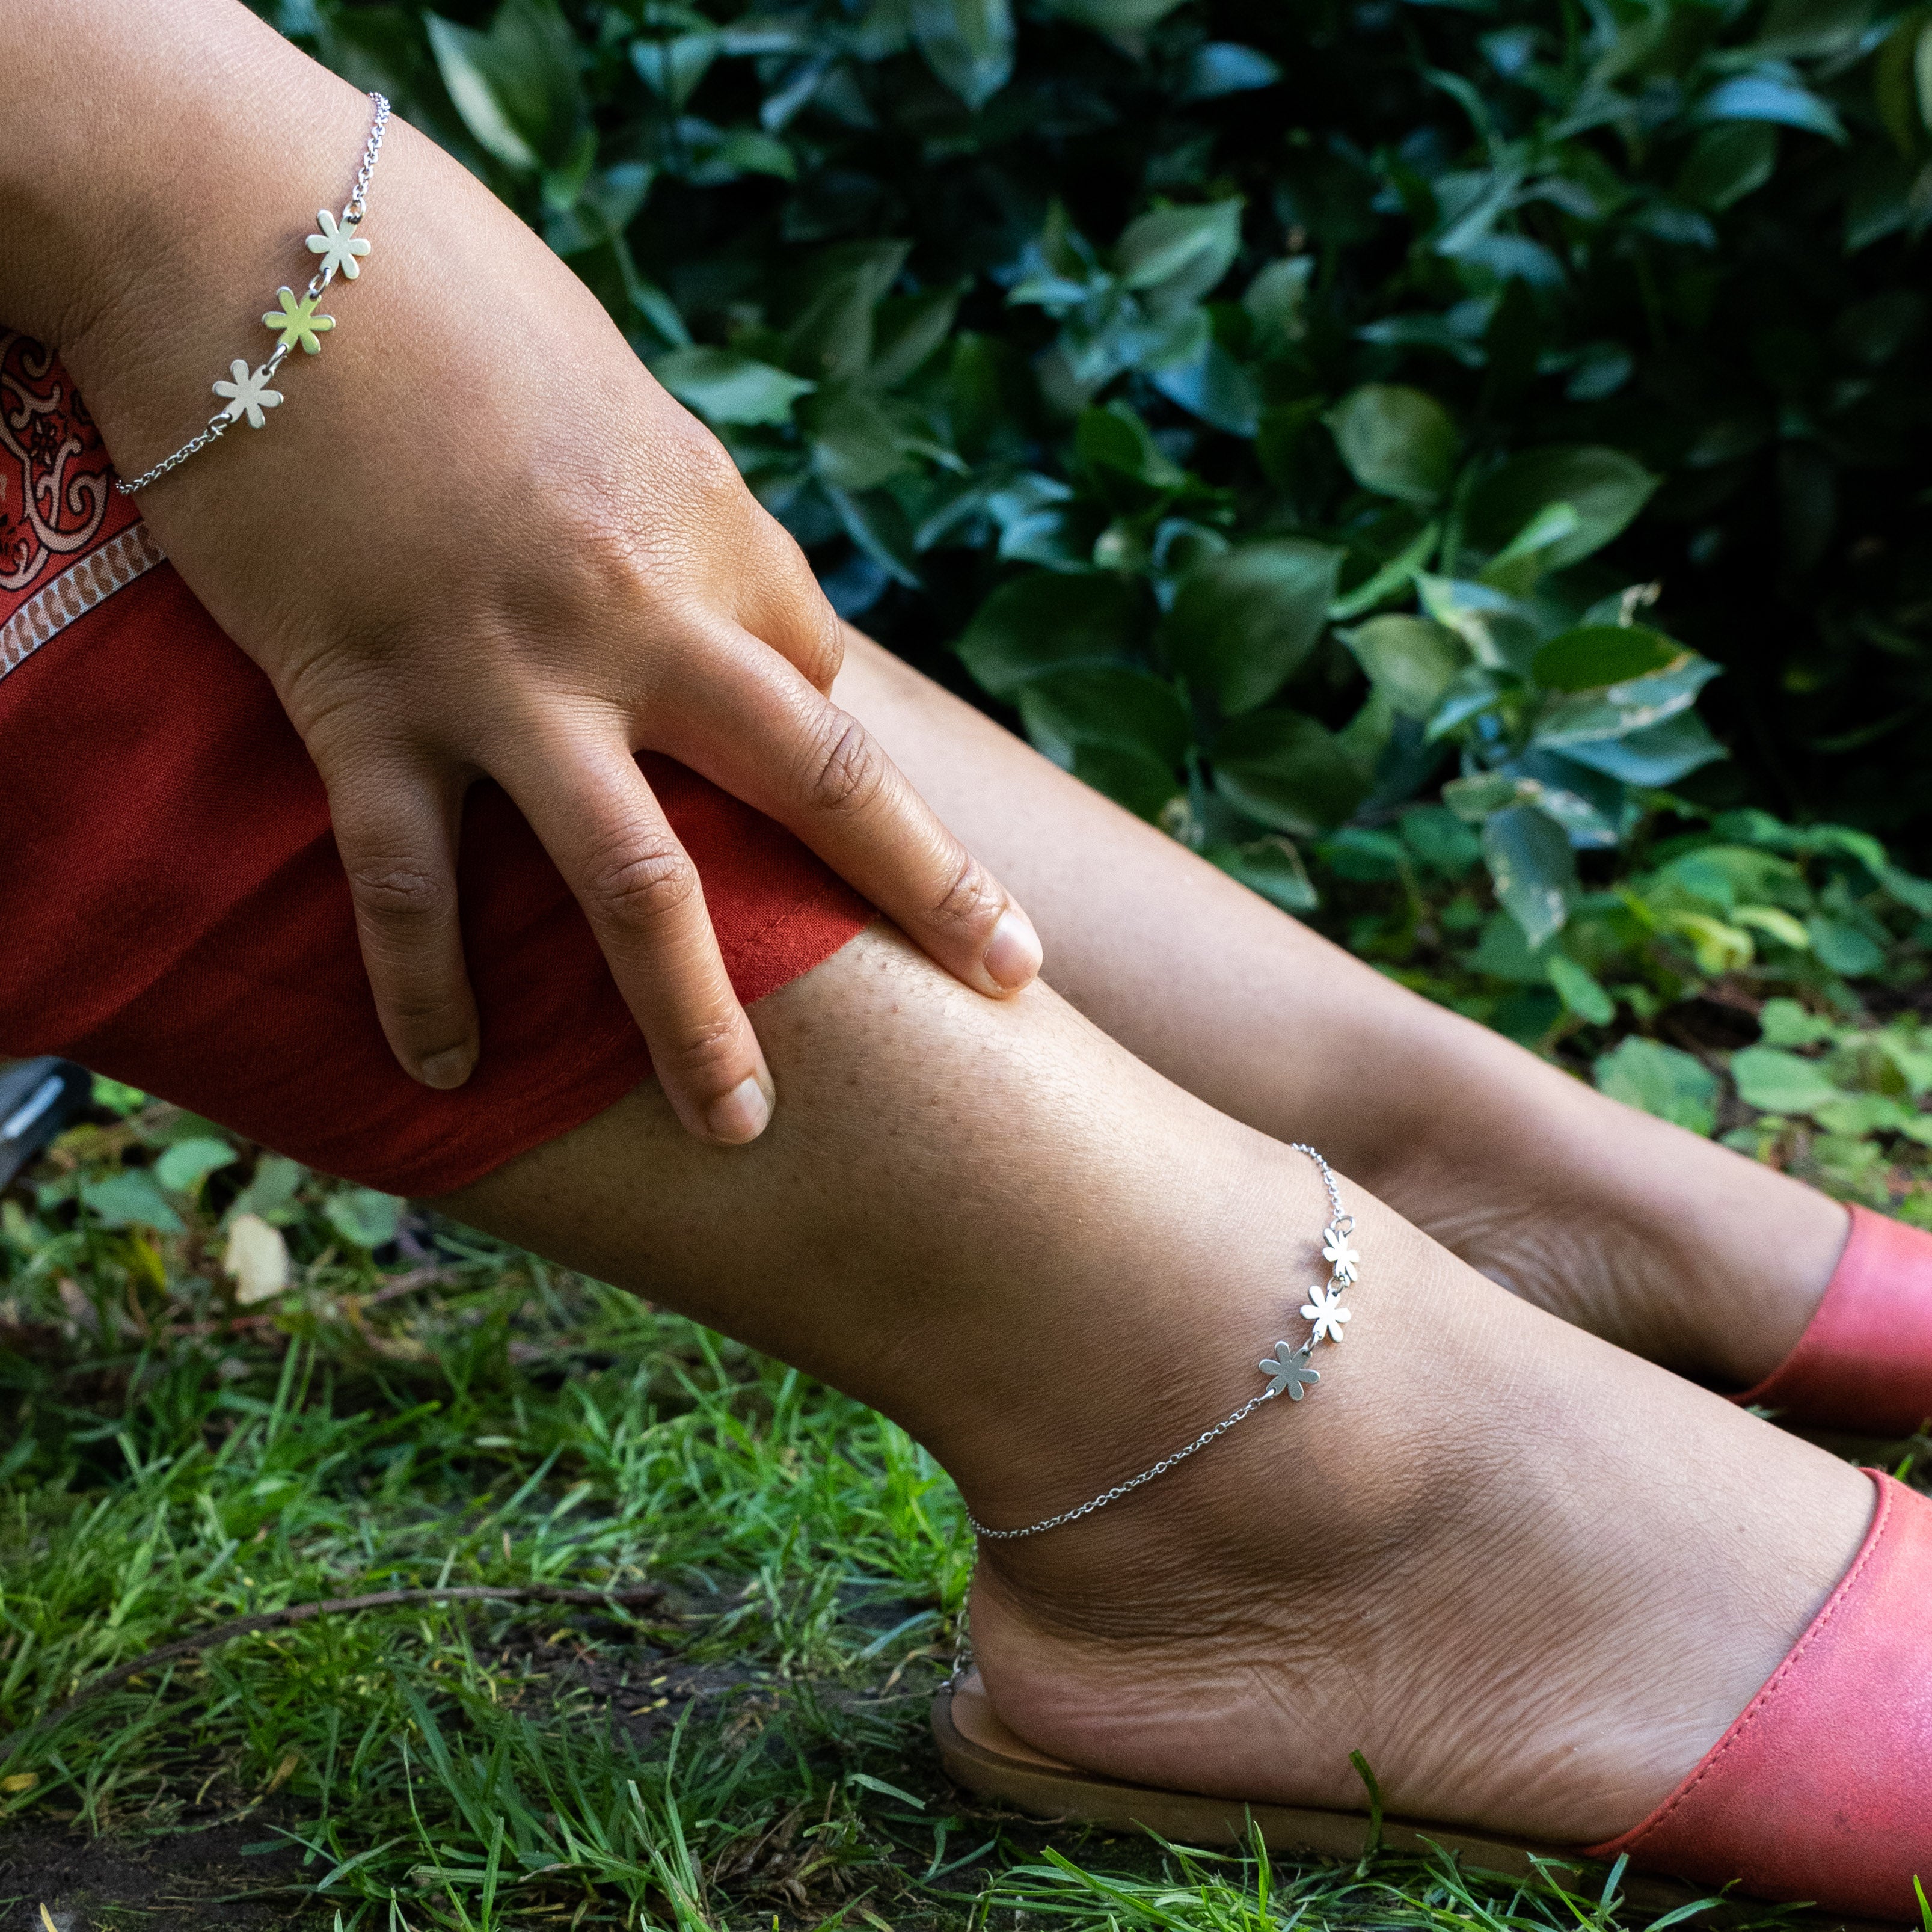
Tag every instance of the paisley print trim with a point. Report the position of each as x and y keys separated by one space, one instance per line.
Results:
x=111 y=567
x=66 y=540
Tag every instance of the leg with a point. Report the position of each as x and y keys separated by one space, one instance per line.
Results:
x=1531 y=1576
x=1667 y=1244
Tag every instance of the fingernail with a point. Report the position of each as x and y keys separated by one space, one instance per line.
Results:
x=449 y=1068
x=1013 y=955
x=741 y=1115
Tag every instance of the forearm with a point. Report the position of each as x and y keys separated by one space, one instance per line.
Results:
x=145 y=226
x=147 y=145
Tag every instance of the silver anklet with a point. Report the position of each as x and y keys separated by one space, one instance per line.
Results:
x=1287 y=1369
x=340 y=247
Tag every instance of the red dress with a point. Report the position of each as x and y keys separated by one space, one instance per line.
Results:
x=175 y=915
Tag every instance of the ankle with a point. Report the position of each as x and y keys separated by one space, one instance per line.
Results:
x=1150 y=1335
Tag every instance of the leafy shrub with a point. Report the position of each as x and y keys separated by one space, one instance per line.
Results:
x=1288 y=407
x=1784 y=969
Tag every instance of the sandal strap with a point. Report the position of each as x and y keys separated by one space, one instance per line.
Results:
x=1822 y=1789
x=1865 y=1363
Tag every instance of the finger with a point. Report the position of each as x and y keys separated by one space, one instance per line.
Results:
x=754 y=726
x=589 y=804
x=782 y=605
x=396 y=829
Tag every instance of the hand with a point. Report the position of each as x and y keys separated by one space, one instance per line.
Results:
x=478 y=541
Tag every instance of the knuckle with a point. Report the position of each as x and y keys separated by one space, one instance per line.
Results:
x=398 y=894
x=651 y=879
x=699 y=1046
x=600 y=556
x=822 y=650
x=712 y=473
x=428 y=1016
x=847 y=770
x=971 y=900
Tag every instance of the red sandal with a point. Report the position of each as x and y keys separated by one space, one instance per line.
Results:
x=1822 y=1789
x=1864 y=1363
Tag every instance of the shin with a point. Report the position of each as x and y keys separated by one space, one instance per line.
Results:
x=1530 y=1576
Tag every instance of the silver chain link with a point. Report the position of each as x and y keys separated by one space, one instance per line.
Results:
x=358 y=195
x=357 y=206
x=1340 y=1224
x=1120 y=1489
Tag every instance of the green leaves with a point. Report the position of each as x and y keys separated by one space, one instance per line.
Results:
x=362 y=1217
x=838 y=294
x=518 y=87
x=1535 y=870
x=131 y=1199
x=967 y=43
x=1661 y=1080
x=1125 y=732
x=1177 y=255
x=1123 y=20
x=725 y=387
x=1780 y=1082
x=1287 y=771
x=1271 y=867
x=1605 y=488
x=1226 y=67
x=1594 y=655
x=1046 y=622
x=1215 y=401
x=1726 y=164
x=1769 y=96
x=1127 y=710
x=1622 y=709
x=137 y=1197
x=1579 y=990
x=1660 y=755
x=1398 y=442
x=672 y=64
x=1242 y=622
x=1410 y=660
x=185 y=1164
x=1115 y=442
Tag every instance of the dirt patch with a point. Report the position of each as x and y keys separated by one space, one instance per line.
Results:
x=189 y=1880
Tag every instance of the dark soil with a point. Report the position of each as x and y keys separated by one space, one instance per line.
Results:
x=189 y=1880
x=241 y=1875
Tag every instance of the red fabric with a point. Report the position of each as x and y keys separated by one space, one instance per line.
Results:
x=175 y=914
x=1865 y=1361
x=1823 y=1789
x=57 y=498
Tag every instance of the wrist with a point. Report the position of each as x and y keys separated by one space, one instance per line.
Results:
x=131 y=132
x=191 y=301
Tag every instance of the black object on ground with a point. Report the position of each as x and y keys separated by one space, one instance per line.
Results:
x=38 y=1099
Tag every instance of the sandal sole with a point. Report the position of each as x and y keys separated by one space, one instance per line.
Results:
x=1061 y=1794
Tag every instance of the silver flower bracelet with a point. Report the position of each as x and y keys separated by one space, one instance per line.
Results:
x=1287 y=1369
x=295 y=319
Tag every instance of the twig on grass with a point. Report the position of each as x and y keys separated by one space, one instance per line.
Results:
x=298 y=1613
x=433 y=1277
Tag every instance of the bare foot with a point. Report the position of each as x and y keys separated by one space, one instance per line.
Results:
x=1531 y=1579
x=1671 y=1247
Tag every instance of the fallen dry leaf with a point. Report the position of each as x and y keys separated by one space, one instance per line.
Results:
x=256 y=1260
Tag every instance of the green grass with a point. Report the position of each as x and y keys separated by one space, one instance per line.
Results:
x=750 y=1751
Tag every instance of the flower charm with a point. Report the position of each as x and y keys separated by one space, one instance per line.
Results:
x=1342 y=1258
x=1324 y=1308
x=248 y=395
x=296 y=322
x=1288 y=1370
x=338 y=244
